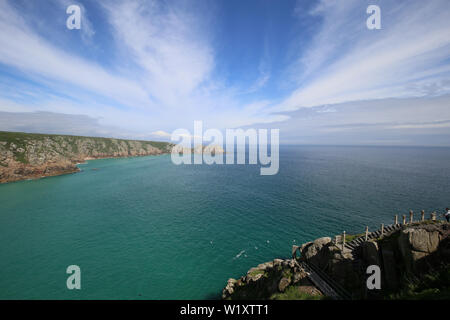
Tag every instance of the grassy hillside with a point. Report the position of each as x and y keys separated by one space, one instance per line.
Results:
x=70 y=145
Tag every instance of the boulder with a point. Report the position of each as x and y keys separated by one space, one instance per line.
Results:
x=229 y=289
x=317 y=252
x=283 y=284
x=417 y=243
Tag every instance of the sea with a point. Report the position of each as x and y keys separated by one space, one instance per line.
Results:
x=145 y=228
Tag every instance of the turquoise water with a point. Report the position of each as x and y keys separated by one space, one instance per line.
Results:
x=143 y=228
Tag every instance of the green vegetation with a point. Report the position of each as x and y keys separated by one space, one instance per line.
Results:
x=350 y=237
x=17 y=137
x=22 y=136
x=67 y=145
x=159 y=145
x=287 y=274
x=20 y=140
x=434 y=285
x=257 y=272
x=294 y=293
x=429 y=221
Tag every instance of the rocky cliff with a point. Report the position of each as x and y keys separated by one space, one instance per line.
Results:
x=29 y=156
x=414 y=262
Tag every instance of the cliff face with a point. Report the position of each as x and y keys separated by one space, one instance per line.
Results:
x=29 y=156
x=414 y=262
x=270 y=280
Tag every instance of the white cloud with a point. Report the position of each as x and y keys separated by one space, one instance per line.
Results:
x=348 y=62
x=161 y=133
x=21 y=48
x=167 y=43
x=164 y=77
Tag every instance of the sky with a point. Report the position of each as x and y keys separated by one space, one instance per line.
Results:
x=312 y=69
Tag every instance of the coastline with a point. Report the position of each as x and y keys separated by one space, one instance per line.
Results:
x=54 y=171
x=25 y=156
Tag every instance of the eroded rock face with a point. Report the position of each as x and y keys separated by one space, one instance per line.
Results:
x=28 y=156
x=263 y=281
x=420 y=240
x=317 y=251
x=416 y=244
x=409 y=250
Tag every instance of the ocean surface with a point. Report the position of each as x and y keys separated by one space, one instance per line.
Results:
x=144 y=228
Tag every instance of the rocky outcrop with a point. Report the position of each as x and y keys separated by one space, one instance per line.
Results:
x=317 y=251
x=267 y=279
x=29 y=156
x=418 y=246
x=325 y=255
x=412 y=250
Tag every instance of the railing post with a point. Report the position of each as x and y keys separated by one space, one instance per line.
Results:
x=367 y=232
x=382 y=229
x=411 y=213
x=422 y=214
x=404 y=220
x=343 y=241
x=433 y=216
x=396 y=220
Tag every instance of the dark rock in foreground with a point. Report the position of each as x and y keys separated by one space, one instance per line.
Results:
x=411 y=252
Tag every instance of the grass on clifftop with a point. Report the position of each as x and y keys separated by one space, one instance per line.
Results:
x=9 y=137
x=67 y=143
x=257 y=272
x=294 y=293
x=434 y=285
x=350 y=237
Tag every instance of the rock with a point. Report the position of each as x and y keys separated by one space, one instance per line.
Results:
x=417 y=243
x=254 y=274
x=277 y=263
x=421 y=239
x=312 y=248
x=283 y=284
x=298 y=276
x=303 y=246
x=317 y=252
x=265 y=266
x=229 y=289
x=263 y=281
x=414 y=249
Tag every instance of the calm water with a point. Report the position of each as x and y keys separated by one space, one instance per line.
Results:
x=143 y=228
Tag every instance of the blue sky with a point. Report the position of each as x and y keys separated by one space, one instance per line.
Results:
x=141 y=69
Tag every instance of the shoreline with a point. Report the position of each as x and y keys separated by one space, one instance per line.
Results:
x=36 y=172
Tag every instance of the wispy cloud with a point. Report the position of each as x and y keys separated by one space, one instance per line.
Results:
x=158 y=67
x=348 y=62
x=167 y=43
x=22 y=48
